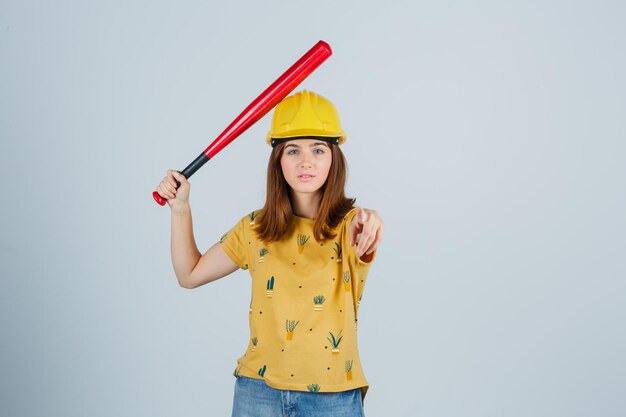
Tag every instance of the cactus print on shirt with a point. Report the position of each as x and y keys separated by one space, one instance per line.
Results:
x=304 y=306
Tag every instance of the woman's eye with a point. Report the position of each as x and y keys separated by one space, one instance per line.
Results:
x=292 y=152
x=319 y=151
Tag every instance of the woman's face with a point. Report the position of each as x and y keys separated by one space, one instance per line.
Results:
x=305 y=164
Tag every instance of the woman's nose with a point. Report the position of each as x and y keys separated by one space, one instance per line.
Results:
x=306 y=160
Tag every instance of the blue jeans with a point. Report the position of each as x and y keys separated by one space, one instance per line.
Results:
x=254 y=398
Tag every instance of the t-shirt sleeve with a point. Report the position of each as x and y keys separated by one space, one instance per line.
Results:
x=233 y=243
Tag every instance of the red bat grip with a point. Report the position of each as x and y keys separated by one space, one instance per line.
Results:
x=157 y=197
x=277 y=91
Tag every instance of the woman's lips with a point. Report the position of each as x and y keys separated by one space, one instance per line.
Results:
x=305 y=177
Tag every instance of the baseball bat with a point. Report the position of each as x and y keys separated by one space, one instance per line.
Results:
x=259 y=107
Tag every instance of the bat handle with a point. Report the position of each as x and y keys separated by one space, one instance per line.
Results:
x=187 y=173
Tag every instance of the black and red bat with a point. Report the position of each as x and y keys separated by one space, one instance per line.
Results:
x=259 y=107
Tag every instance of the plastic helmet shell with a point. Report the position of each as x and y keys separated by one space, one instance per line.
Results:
x=305 y=114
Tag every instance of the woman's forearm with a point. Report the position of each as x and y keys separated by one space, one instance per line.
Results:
x=185 y=253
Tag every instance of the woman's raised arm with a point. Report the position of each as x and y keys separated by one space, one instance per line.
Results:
x=192 y=269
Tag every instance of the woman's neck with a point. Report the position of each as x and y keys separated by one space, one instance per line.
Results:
x=305 y=204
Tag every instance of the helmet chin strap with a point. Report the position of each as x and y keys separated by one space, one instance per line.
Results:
x=333 y=141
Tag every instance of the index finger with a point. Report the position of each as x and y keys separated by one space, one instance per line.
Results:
x=367 y=236
x=179 y=178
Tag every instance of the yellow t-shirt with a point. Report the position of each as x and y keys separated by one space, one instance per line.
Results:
x=304 y=306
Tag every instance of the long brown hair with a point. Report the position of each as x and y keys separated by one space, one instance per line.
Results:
x=274 y=220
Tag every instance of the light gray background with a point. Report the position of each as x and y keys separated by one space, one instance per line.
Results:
x=489 y=135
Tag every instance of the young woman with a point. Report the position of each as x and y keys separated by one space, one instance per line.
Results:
x=308 y=251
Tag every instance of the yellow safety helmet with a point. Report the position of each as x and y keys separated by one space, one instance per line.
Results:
x=305 y=115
